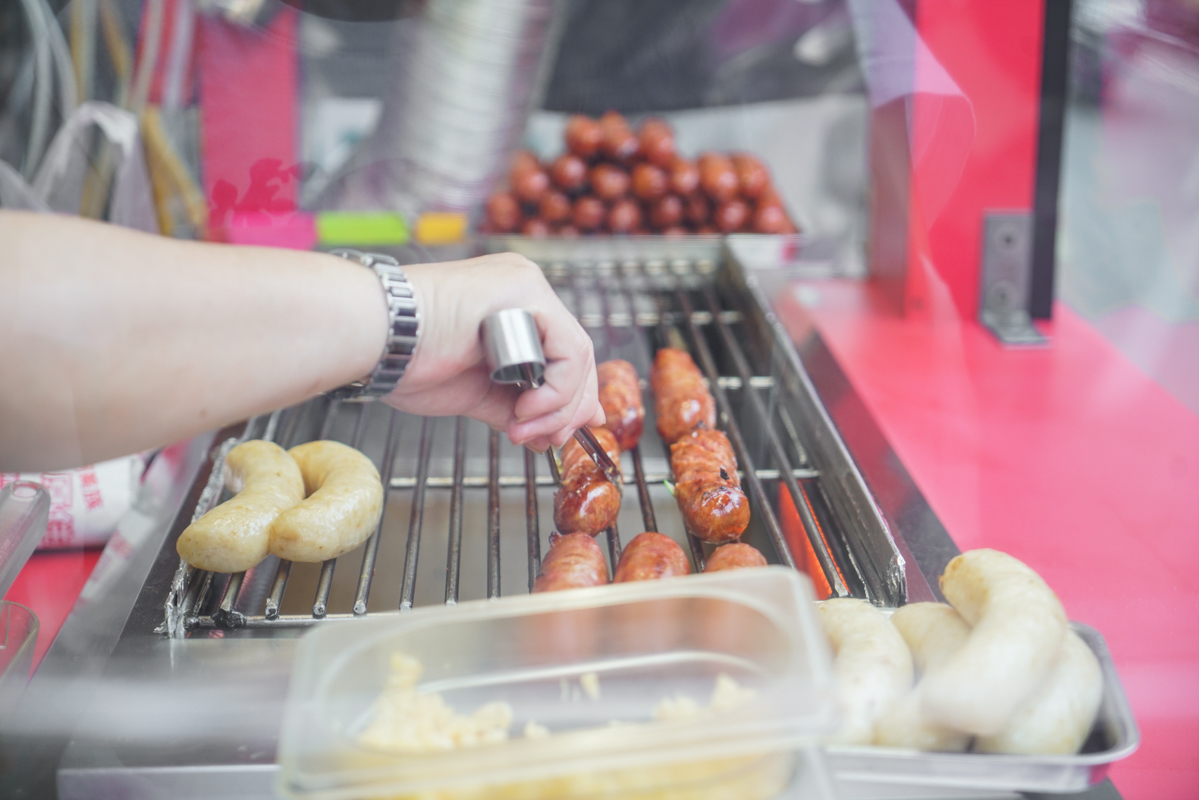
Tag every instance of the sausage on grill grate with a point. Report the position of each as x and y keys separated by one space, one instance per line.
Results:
x=707 y=487
x=736 y=555
x=620 y=395
x=649 y=556
x=682 y=401
x=587 y=502
x=573 y=562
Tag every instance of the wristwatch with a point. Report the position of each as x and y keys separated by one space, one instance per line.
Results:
x=403 y=328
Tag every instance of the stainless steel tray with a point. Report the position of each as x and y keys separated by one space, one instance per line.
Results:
x=882 y=773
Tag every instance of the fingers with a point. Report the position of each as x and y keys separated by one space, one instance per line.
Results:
x=570 y=358
x=470 y=393
x=582 y=417
x=563 y=387
x=496 y=407
x=597 y=417
x=558 y=424
x=553 y=411
x=538 y=445
x=447 y=377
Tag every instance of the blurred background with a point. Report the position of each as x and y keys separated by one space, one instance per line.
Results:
x=243 y=120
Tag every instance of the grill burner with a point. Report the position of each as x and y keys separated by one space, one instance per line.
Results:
x=630 y=308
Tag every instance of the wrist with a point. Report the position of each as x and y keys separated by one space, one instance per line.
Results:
x=402 y=312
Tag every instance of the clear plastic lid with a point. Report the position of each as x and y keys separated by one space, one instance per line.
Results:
x=24 y=511
x=642 y=685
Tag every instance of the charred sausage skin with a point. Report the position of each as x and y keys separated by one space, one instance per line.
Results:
x=574 y=561
x=587 y=502
x=620 y=396
x=735 y=555
x=707 y=487
x=682 y=401
x=650 y=556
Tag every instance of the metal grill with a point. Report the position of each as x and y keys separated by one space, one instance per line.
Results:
x=630 y=308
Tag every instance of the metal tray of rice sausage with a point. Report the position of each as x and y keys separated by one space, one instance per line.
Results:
x=883 y=773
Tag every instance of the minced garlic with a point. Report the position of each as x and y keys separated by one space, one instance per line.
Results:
x=407 y=721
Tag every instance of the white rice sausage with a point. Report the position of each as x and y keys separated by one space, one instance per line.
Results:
x=1018 y=625
x=871 y=665
x=1058 y=717
x=235 y=535
x=345 y=501
x=933 y=632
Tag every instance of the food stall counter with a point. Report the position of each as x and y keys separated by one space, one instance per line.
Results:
x=1069 y=457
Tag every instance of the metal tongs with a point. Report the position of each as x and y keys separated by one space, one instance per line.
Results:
x=513 y=349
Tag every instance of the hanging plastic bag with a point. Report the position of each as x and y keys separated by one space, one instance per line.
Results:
x=16 y=194
x=60 y=180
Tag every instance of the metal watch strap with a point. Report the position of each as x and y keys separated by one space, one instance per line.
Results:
x=403 y=328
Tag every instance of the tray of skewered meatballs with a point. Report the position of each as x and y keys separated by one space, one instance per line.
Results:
x=614 y=179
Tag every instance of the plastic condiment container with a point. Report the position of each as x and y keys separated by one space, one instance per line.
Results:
x=591 y=666
x=18 y=635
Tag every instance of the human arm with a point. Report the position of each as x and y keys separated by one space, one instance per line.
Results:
x=115 y=341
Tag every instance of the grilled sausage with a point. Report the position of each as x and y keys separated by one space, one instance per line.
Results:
x=555 y=207
x=624 y=216
x=731 y=217
x=650 y=556
x=609 y=182
x=503 y=212
x=530 y=185
x=682 y=401
x=707 y=487
x=684 y=177
x=734 y=556
x=535 y=228
x=588 y=213
x=569 y=172
x=620 y=395
x=697 y=211
x=769 y=219
x=666 y=212
x=523 y=161
x=587 y=501
x=717 y=177
x=583 y=135
x=752 y=176
x=657 y=142
x=573 y=562
x=649 y=182
x=345 y=501
x=619 y=142
x=235 y=535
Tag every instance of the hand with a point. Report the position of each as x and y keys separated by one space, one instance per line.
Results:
x=448 y=374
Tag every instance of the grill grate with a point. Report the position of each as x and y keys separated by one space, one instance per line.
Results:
x=629 y=308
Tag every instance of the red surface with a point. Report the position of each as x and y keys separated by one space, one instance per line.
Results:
x=992 y=52
x=249 y=119
x=1069 y=458
x=49 y=584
